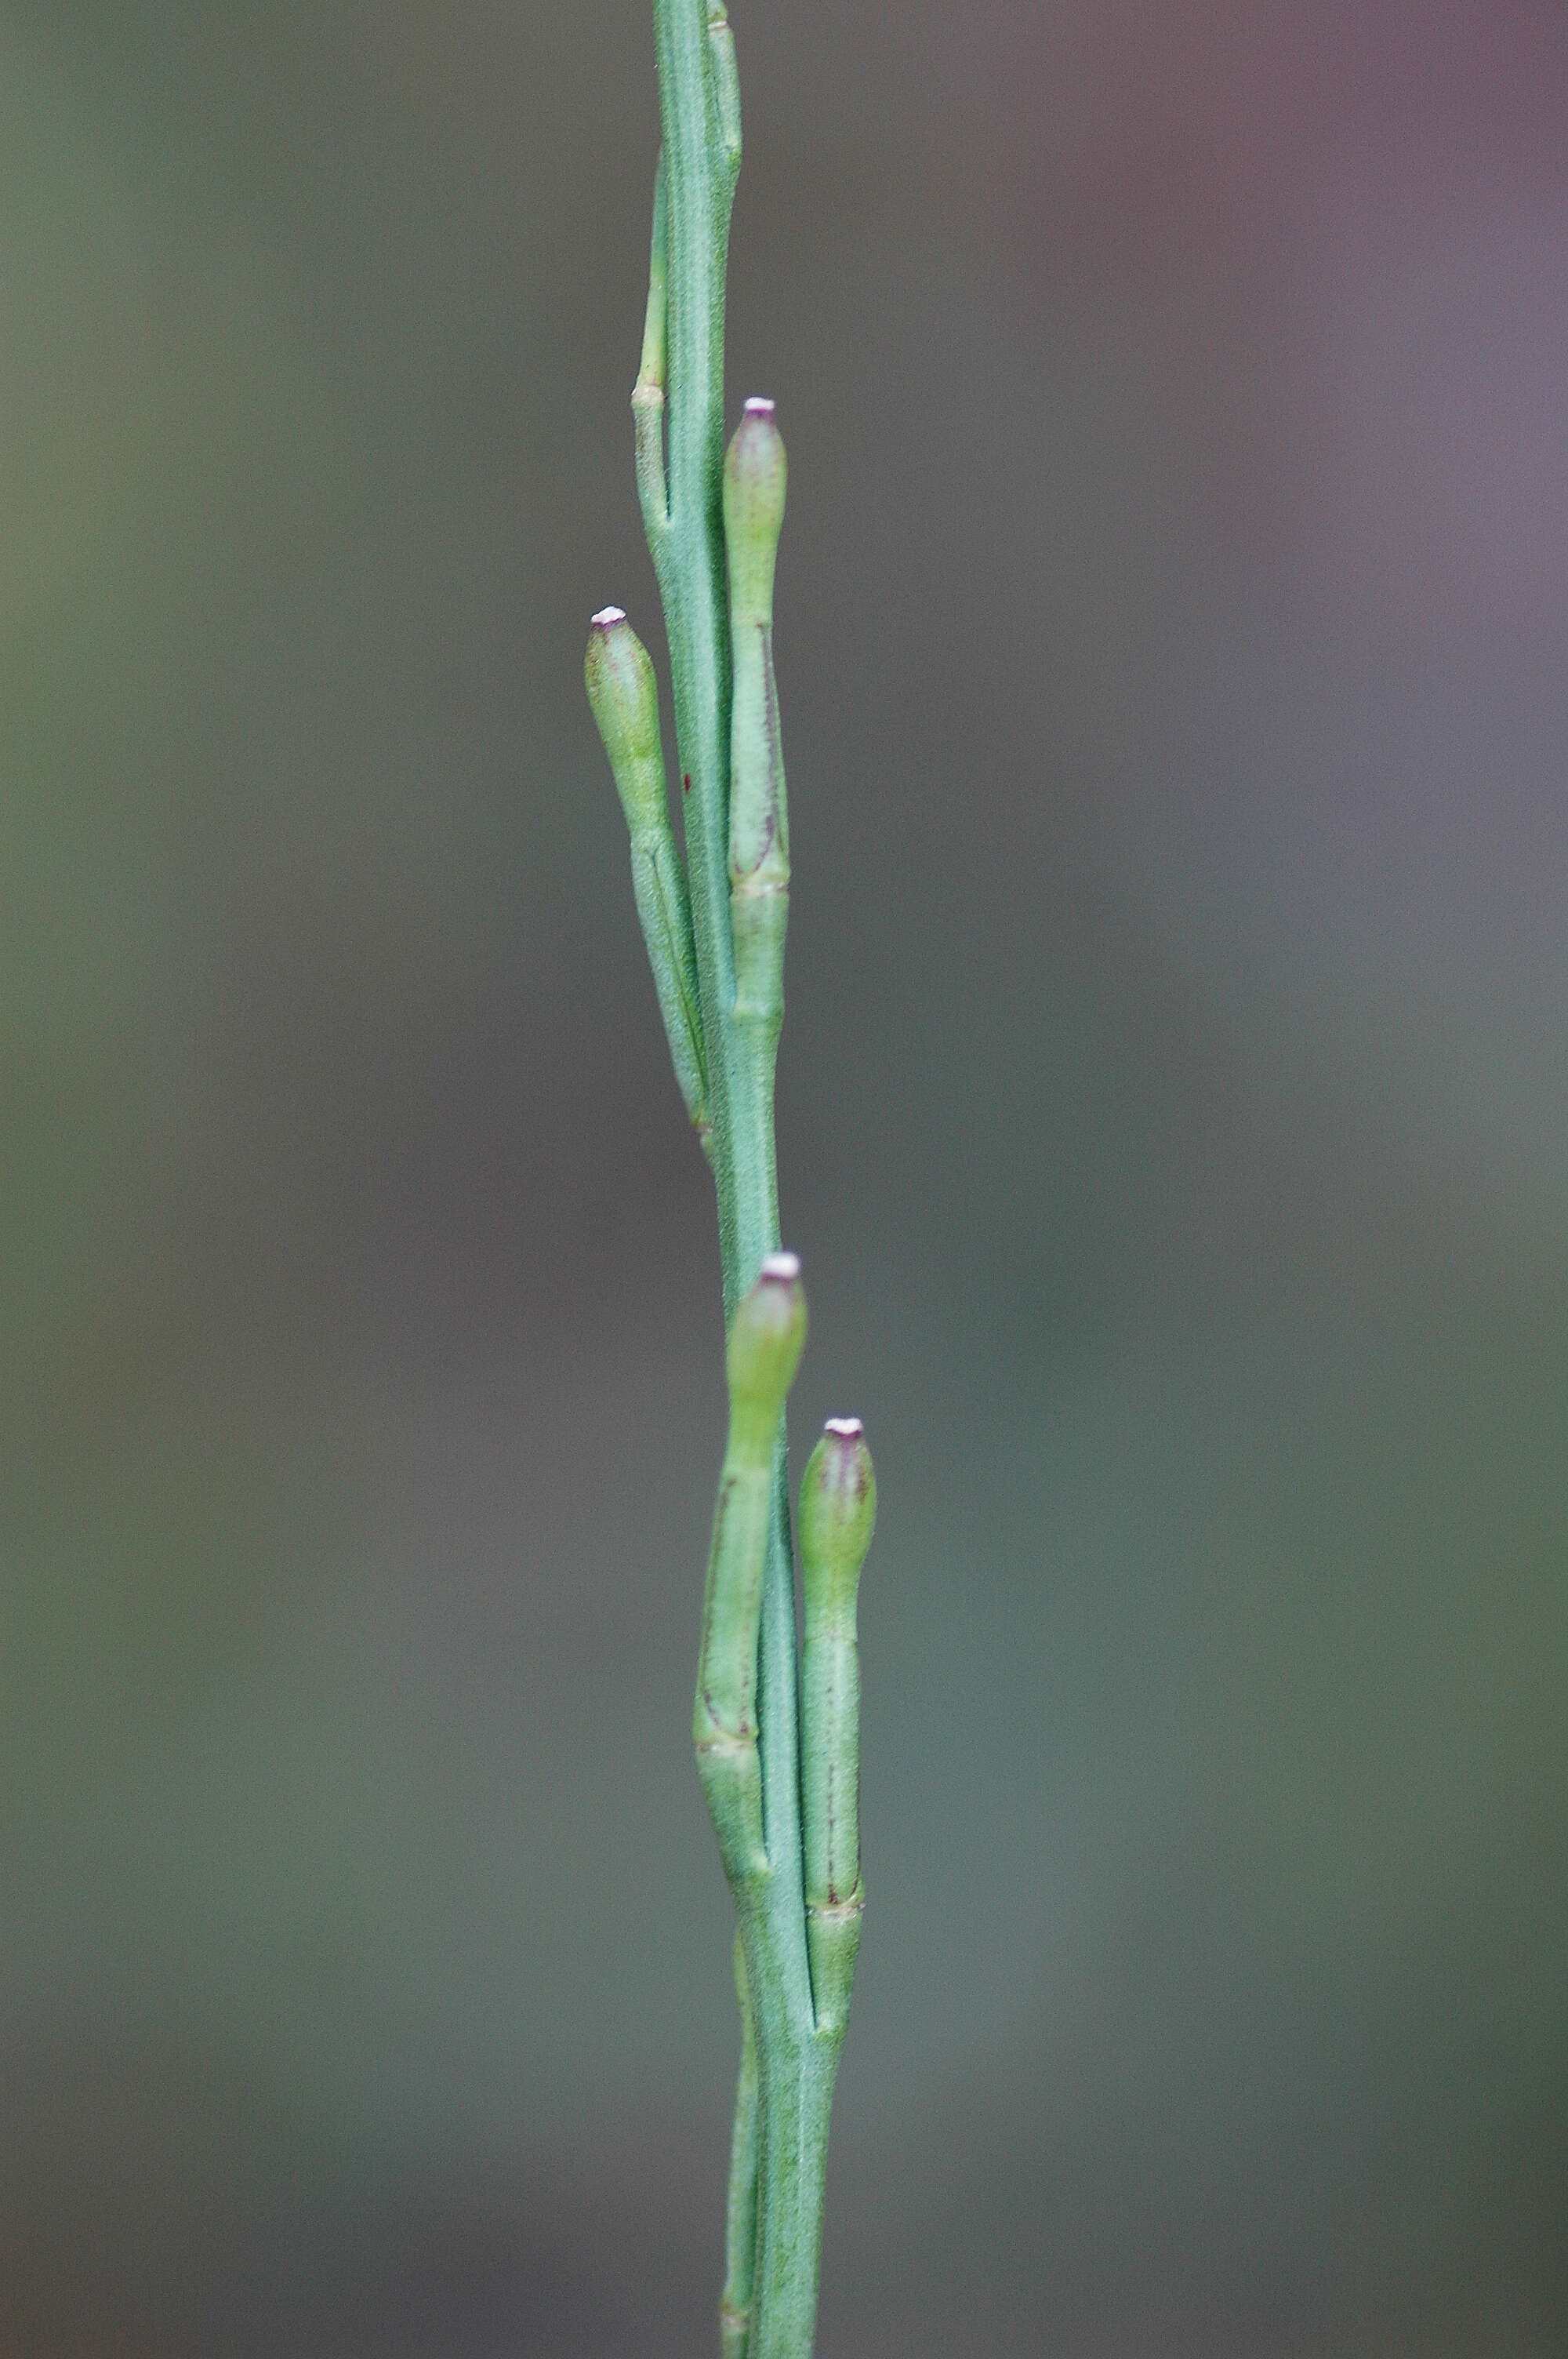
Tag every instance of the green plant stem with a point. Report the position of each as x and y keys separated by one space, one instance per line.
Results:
x=680 y=397
x=741 y=2211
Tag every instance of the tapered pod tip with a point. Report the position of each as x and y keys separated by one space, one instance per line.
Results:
x=624 y=694
x=838 y=1512
x=768 y=1335
x=755 y=478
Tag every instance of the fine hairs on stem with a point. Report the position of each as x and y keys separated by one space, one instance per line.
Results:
x=775 y=1726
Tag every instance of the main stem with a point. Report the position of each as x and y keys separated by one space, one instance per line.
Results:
x=796 y=2061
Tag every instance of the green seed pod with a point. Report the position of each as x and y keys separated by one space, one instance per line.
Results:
x=624 y=695
x=754 y=480
x=765 y=1342
x=838 y=1511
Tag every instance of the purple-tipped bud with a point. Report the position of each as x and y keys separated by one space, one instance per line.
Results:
x=624 y=695
x=755 y=477
x=838 y=1512
x=767 y=1338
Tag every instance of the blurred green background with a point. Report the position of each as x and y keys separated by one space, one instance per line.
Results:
x=1173 y=1121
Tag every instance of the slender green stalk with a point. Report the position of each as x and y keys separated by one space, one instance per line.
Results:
x=716 y=940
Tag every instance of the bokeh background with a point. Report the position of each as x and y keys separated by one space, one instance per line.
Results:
x=1174 y=1123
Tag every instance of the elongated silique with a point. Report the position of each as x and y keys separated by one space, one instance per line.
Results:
x=764 y=1348
x=623 y=694
x=754 y=480
x=838 y=1512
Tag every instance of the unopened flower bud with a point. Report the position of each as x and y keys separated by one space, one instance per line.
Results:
x=624 y=695
x=766 y=1341
x=838 y=1512
x=755 y=477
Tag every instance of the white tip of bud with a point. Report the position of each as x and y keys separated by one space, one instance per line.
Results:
x=606 y=616
x=759 y=405
x=781 y=1265
x=848 y=1429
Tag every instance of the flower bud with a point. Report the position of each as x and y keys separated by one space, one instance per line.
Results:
x=838 y=1511
x=755 y=474
x=766 y=1341
x=624 y=695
